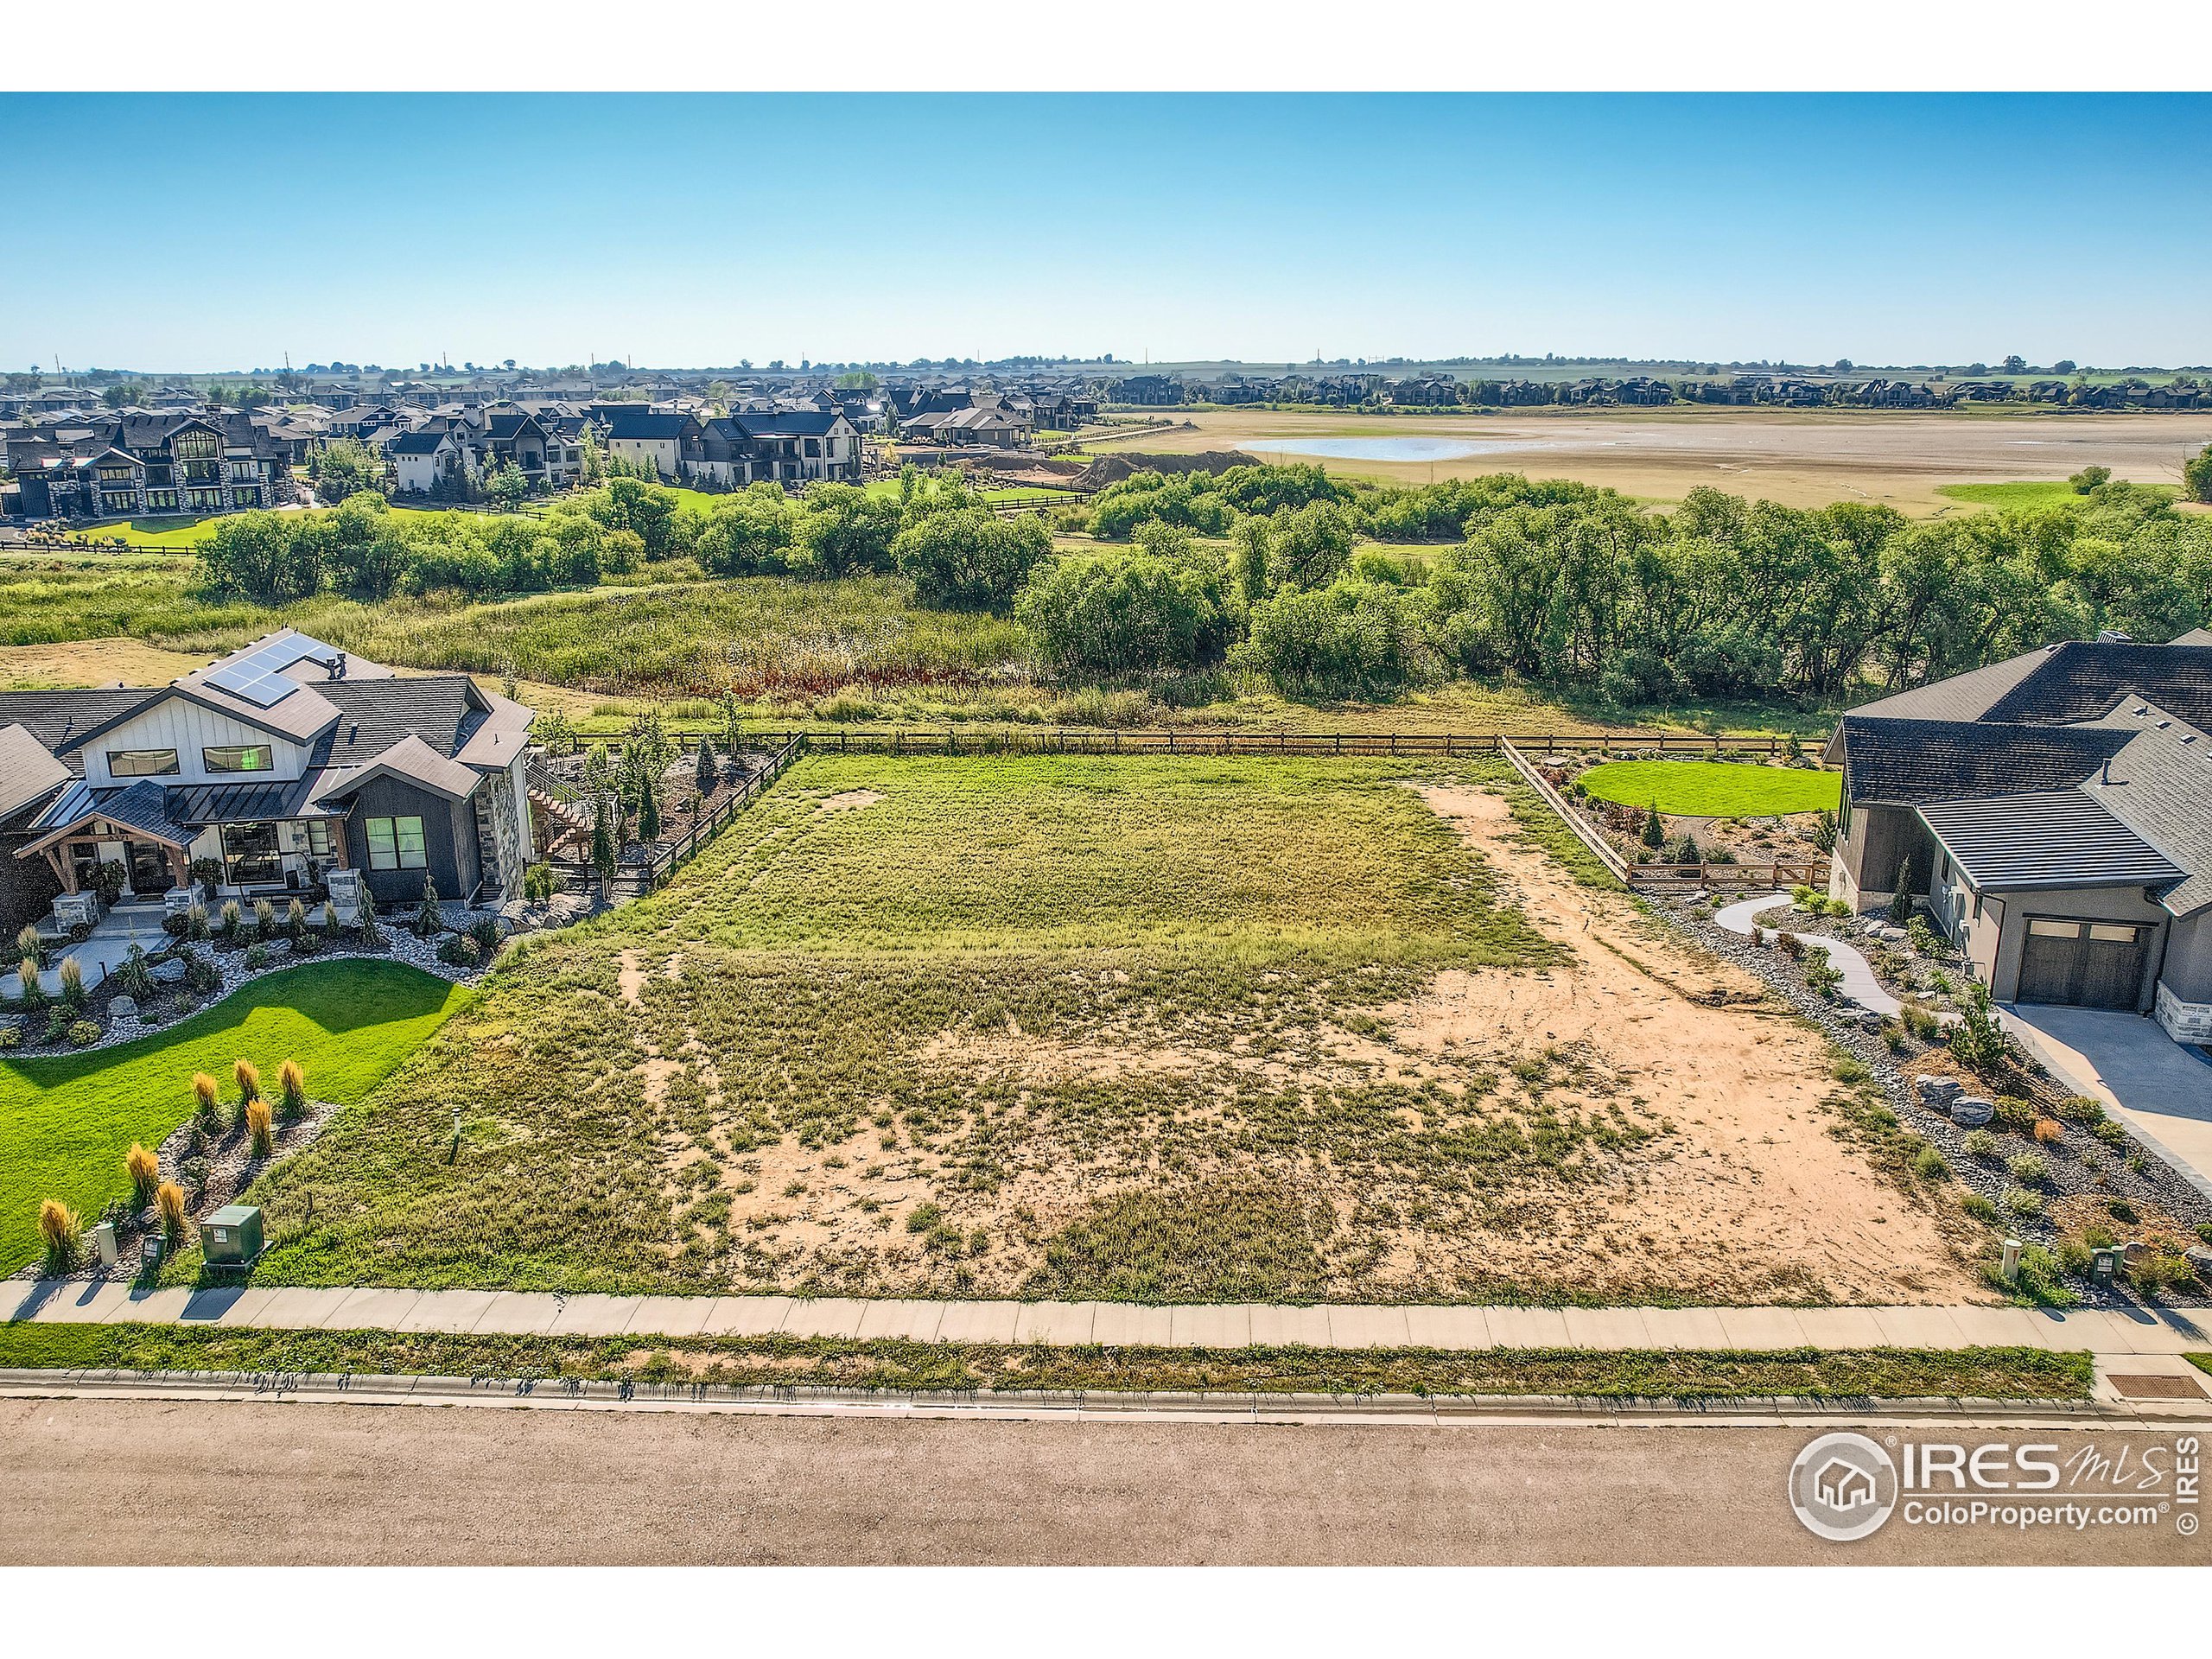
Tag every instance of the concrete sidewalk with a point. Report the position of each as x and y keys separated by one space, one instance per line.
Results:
x=1859 y=981
x=1075 y=1324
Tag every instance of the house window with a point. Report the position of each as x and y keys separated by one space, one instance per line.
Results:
x=238 y=757
x=251 y=852
x=160 y=500
x=396 y=845
x=318 y=834
x=141 y=763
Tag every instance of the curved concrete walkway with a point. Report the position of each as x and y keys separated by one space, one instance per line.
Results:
x=1859 y=981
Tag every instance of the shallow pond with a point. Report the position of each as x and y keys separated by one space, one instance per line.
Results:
x=1383 y=448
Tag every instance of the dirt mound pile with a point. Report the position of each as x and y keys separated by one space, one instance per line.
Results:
x=1112 y=469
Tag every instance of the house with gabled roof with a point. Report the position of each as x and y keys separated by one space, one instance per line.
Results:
x=2054 y=811
x=265 y=773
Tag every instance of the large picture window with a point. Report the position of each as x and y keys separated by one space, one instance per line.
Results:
x=141 y=763
x=251 y=853
x=396 y=845
x=238 y=757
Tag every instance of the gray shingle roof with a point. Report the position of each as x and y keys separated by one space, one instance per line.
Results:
x=57 y=719
x=444 y=710
x=1934 y=759
x=2057 y=838
x=2160 y=786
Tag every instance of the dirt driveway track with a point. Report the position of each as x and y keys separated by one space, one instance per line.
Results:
x=193 y=1481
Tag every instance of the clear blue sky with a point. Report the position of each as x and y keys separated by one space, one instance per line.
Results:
x=688 y=230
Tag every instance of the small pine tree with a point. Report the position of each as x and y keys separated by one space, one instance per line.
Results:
x=706 y=769
x=602 y=842
x=649 y=814
x=426 y=918
x=1901 y=901
x=1654 y=832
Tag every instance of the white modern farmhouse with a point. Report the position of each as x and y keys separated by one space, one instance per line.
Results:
x=265 y=773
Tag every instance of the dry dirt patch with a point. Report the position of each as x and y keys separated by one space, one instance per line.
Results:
x=850 y=800
x=1757 y=1188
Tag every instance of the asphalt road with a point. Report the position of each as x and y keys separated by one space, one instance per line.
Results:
x=203 y=1482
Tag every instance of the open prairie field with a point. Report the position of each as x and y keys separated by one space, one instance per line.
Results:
x=1800 y=458
x=1143 y=1030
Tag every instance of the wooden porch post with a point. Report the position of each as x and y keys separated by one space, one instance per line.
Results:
x=65 y=868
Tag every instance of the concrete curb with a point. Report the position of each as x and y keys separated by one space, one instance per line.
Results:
x=573 y=1393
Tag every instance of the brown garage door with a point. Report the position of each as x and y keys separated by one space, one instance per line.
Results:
x=2092 y=964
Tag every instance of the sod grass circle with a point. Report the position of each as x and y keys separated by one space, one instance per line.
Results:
x=1714 y=789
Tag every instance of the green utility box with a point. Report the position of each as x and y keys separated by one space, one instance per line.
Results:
x=232 y=1236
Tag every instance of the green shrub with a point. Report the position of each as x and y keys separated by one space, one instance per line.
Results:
x=2083 y=1108
x=258 y=957
x=1980 y=1143
x=2028 y=1168
x=201 y=976
x=923 y=1218
x=2014 y=1114
x=1977 y=1206
x=134 y=977
x=1848 y=1069
x=1929 y=1165
x=83 y=1033
x=459 y=951
x=2018 y=1201
x=2110 y=1132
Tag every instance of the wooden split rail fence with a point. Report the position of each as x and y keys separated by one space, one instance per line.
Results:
x=786 y=746
x=1661 y=877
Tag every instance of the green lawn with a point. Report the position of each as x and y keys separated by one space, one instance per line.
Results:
x=1714 y=789
x=69 y=1119
x=181 y=533
x=1040 y=1026
x=2027 y=496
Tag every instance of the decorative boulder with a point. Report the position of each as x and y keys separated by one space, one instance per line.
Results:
x=2199 y=1258
x=1971 y=1111
x=123 y=1007
x=1869 y=1021
x=1938 y=1092
x=169 y=973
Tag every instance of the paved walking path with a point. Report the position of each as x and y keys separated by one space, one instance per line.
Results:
x=1073 y=1323
x=1859 y=981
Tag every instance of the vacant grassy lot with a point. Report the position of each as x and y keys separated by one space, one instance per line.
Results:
x=928 y=1367
x=70 y=1118
x=1152 y=1030
x=1714 y=789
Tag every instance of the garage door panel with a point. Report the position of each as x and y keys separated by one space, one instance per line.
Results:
x=2050 y=964
x=2091 y=964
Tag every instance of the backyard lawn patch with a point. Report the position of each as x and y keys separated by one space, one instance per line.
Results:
x=68 y=1120
x=1714 y=789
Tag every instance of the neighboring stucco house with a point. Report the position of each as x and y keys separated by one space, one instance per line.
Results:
x=278 y=764
x=2055 y=812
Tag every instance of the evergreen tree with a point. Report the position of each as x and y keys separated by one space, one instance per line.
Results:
x=602 y=841
x=1901 y=901
x=1654 y=832
x=649 y=814
x=707 y=768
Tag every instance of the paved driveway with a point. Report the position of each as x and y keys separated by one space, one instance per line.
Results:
x=2163 y=1091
